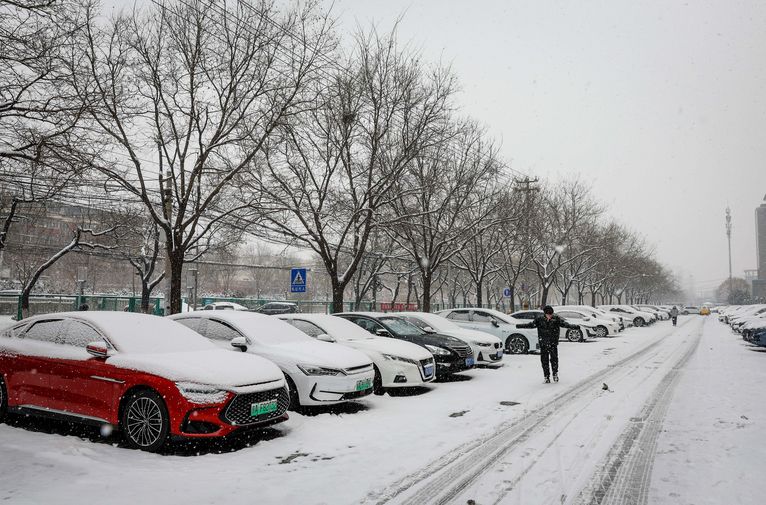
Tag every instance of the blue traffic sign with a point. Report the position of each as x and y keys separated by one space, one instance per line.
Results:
x=507 y=292
x=298 y=280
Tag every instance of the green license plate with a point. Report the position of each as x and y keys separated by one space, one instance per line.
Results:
x=363 y=384
x=258 y=409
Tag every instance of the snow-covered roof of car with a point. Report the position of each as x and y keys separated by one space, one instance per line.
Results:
x=139 y=333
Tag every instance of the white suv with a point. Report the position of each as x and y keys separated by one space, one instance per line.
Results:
x=503 y=326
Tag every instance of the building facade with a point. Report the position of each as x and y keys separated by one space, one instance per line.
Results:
x=759 y=284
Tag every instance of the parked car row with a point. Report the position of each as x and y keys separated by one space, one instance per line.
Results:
x=749 y=320
x=212 y=372
x=155 y=378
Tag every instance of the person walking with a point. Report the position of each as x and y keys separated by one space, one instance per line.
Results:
x=674 y=314
x=548 y=327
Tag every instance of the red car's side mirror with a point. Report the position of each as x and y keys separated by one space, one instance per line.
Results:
x=98 y=349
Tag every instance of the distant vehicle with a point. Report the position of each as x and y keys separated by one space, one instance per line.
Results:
x=615 y=322
x=317 y=373
x=690 y=309
x=397 y=363
x=148 y=376
x=451 y=354
x=223 y=306
x=516 y=340
x=705 y=311
x=274 y=308
x=487 y=348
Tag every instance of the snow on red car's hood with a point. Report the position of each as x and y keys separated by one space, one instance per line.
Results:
x=216 y=367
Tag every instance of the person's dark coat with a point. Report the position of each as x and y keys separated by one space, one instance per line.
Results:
x=548 y=329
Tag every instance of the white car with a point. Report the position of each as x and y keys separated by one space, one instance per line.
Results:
x=317 y=373
x=662 y=314
x=568 y=333
x=487 y=348
x=639 y=318
x=397 y=364
x=598 y=326
x=503 y=326
x=224 y=306
x=613 y=322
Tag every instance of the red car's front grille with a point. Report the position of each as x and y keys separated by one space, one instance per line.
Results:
x=238 y=412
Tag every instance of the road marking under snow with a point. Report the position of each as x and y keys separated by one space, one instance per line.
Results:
x=443 y=480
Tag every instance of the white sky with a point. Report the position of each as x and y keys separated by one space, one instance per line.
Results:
x=661 y=104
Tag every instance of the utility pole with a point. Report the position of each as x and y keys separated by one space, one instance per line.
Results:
x=728 y=236
x=167 y=210
x=526 y=186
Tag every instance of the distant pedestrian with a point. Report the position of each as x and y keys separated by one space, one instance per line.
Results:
x=674 y=314
x=548 y=327
x=84 y=306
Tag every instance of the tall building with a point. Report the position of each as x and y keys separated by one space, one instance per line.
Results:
x=759 y=285
x=760 y=238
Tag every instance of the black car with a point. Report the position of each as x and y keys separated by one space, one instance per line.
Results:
x=451 y=354
x=272 y=308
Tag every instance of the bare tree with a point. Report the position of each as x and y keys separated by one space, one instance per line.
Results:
x=444 y=200
x=560 y=219
x=187 y=94
x=329 y=177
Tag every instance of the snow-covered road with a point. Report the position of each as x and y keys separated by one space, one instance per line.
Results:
x=497 y=436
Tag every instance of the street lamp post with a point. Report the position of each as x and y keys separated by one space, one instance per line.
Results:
x=728 y=236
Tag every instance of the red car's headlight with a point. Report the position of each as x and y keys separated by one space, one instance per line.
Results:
x=201 y=393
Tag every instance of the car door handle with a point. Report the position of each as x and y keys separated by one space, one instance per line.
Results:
x=107 y=379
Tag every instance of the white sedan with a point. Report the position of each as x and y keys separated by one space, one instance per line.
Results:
x=397 y=363
x=487 y=348
x=317 y=373
x=516 y=340
x=599 y=326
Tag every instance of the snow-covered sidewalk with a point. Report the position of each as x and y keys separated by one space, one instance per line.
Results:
x=360 y=455
x=712 y=448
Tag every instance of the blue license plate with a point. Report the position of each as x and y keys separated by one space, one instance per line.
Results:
x=499 y=354
x=469 y=362
x=428 y=371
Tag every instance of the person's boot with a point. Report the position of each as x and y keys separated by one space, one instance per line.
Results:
x=547 y=380
x=555 y=377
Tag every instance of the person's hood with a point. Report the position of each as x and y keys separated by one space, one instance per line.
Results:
x=311 y=352
x=392 y=346
x=216 y=367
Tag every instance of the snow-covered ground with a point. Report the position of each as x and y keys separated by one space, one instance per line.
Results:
x=495 y=436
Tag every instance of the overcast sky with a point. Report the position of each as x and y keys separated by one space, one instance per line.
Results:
x=661 y=104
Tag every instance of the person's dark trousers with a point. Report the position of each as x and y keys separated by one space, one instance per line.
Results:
x=674 y=321
x=549 y=353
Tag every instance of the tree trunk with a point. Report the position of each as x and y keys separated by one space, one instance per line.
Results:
x=337 y=297
x=479 y=286
x=426 y=277
x=145 y=294
x=513 y=299
x=176 y=291
x=544 y=295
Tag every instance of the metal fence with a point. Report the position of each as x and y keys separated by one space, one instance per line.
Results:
x=10 y=304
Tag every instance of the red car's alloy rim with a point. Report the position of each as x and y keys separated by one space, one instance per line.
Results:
x=144 y=421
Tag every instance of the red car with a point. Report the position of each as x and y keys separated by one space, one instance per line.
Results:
x=149 y=377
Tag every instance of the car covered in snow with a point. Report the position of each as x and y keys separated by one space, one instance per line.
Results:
x=317 y=373
x=272 y=308
x=451 y=354
x=516 y=340
x=573 y=335
x=638 y=317
x=487 y=348
x=397 y=364
x=613 y=322
x=223 y=306
x=147 y=376
x=595 y=324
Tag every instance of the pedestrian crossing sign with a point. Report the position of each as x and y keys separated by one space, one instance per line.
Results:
x=298 y=280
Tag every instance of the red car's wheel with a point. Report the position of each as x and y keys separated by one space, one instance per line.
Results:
x=3 y=399
x=145 y=421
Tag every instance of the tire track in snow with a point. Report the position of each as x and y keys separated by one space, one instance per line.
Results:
x=625 y=474
x=447 y=476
